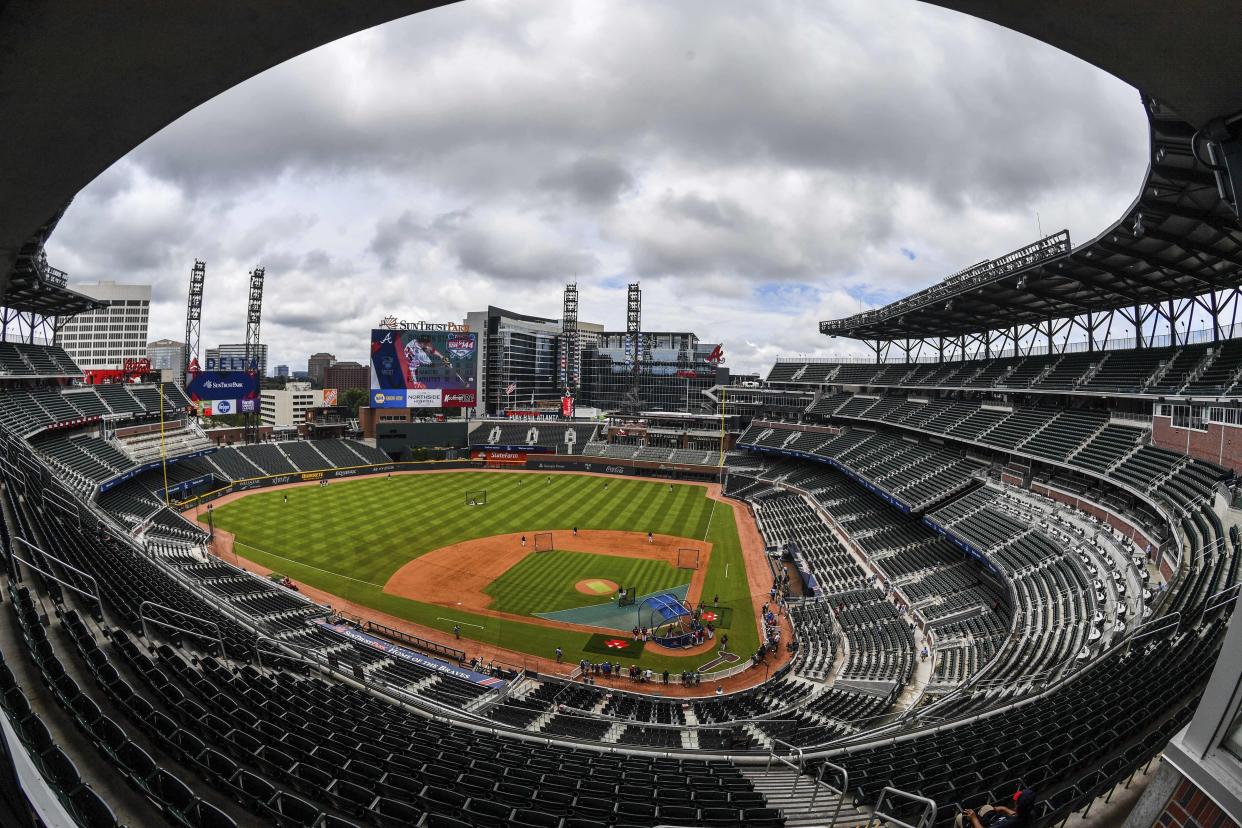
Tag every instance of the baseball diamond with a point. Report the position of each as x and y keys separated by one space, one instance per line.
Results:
x=439 y=565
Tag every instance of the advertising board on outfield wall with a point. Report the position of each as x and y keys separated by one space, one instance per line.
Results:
x=424 y=368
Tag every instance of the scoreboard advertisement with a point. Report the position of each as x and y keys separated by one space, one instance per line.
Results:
x=223 y=392
x=423 y=368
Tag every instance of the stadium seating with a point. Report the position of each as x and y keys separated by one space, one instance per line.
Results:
x=1188 y=370
x=198 y=736
x=20 y=359
x=556 y=435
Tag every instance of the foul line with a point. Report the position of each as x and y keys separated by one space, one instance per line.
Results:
x=455 y=621
x=308 y=566
x=711 y=515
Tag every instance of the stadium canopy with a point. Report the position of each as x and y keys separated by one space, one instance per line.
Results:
x=1178 y=239
x=37 y=288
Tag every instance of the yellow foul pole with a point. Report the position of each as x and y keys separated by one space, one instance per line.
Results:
x=163 y=451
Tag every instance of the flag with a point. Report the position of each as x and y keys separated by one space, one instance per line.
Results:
x=510 y=388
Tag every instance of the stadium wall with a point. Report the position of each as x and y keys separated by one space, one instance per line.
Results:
x=1190 y=807
x=1217 y=442
x=396 y=437
x=673 y=471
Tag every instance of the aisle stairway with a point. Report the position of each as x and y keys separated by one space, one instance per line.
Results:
x=777 y=787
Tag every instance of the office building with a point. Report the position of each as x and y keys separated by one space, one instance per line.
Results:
x=233 y=358
x=673 y=371
x=168 y=357
x=105 y=338
x=316 y=364
x=346 y=375
x=286 y=407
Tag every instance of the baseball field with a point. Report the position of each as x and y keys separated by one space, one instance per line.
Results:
x=412 y=547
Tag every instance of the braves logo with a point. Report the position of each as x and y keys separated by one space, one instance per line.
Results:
x=616 y=643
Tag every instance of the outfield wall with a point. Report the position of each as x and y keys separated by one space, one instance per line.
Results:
x=582 y=463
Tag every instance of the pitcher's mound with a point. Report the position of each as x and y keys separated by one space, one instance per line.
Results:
x=596 y=586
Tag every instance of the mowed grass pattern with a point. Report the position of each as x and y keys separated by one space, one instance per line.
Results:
x=349 y=537
x=546 y=582
x=367 y=529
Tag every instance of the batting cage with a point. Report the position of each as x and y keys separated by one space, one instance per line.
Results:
x=660 y=610
x=476 y=498
x=688 y=558
x=543 y=542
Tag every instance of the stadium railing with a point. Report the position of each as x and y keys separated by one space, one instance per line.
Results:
x=414 y=641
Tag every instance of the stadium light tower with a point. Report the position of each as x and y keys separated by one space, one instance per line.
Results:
x=193 y=318
x=571 y=352
x=633 y=333
x=254 y=311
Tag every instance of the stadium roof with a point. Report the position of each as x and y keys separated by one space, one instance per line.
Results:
x=1179 y=238
x=82 y=84
x=45 y=294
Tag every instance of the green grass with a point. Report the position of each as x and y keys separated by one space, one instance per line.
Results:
x=545 y=582
x=349 y=537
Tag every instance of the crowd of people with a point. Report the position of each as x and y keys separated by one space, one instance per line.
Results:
x=591 y=671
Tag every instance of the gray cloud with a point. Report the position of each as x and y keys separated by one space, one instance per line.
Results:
x=591 y=180
x=488 y=151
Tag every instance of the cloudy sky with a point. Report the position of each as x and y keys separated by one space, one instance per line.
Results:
x=758 y=165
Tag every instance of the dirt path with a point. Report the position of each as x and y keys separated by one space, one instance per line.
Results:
x=757 y=571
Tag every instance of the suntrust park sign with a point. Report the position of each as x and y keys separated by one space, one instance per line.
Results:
x=392 y=323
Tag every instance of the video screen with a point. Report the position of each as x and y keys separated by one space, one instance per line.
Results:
x=423 y=369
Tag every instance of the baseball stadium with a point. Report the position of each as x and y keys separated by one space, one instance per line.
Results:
x=974 y=563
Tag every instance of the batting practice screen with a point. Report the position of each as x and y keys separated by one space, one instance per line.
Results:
x=423 y=368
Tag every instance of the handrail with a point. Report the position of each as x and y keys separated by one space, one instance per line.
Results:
x=302 y=651
x=1213 y=603
x=143 y=619
x=800 y=768
x=1157 y=625
x=46 y=574
x=819 y=782
x=926 y=819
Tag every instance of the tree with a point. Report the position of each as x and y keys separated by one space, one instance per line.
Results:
x=352 y=399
